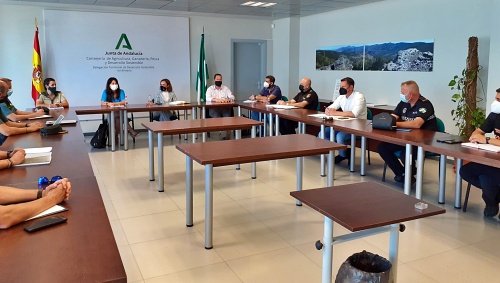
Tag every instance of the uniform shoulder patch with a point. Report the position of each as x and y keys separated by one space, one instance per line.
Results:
x=422 y=110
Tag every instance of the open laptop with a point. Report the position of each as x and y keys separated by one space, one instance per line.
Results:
x=60 y=120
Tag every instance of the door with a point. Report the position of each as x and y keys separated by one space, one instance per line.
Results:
x=249 y=67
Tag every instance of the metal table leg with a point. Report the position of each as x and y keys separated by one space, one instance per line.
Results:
x=458 y=185
x=408 y=174
x=254 y=164
x=353 y=153
x=189 y=191
x=299 y=177
x=112 y=130
x=420 y=172
x=363 y=157
x=125 y=128
x=203 y=115
x=326 y=271
x=209 y=201
x=151 y=156
x=277 y=124
x=331 y=168
x=322 y=157
x=121 y=127
x=161 y=173
x=442 y=178
x=393 y=249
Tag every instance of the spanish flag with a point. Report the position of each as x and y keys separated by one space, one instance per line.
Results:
x=36 y=76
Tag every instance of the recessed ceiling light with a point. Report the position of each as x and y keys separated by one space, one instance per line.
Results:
x=258 y=4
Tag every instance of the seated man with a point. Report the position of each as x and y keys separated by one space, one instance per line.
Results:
x=11 y=157
x=353 y=104
x=17 y=205
x=484 y=177
x=413 y=112
x=306 y=98
x=270 y=93
x=8 y=128
x=10 y=111
x=219 y=93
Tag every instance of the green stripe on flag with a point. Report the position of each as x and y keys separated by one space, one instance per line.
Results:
x=202 y=77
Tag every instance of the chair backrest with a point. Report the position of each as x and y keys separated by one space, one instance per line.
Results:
x=440 y=125
x=318 y=107
x=284 y=98
x=369 y=114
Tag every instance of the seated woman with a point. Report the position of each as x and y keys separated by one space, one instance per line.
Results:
x=113 y=96
x=164 y=96
x=51 y=98
x=11 y=157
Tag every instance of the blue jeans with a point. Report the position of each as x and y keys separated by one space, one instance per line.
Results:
x=340 y=137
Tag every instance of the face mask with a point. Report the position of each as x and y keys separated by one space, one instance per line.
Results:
x=113 y=87
x=301 y=88
x=9 y=92
x=162 y=88
x=403 y=98
x=52 y=89
x=266 y=84
x=218 y=83
x=495 y=107
x=342 y=91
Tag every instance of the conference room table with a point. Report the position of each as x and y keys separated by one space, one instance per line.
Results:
x=179 y=127
x=81 y=250
x=223 y=153
x=365 y=209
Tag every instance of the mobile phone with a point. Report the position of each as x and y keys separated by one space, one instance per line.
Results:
x=45 y=223
x=449 y=141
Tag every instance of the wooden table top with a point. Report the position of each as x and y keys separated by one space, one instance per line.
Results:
x=200 y=125
x=364 y=205
x=221 y=153
x=81 y=250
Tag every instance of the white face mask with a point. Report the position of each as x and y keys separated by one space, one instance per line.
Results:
x=113 y=87
x=266 y=84
x=495 y=107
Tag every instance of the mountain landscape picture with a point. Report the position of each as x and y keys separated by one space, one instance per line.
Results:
x=414 y=56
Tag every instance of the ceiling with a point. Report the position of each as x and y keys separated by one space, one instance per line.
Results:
x=283 y=8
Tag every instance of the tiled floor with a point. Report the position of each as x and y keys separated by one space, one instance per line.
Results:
x=259 y=233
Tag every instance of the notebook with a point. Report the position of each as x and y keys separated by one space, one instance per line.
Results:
x=36 y=159
x=60 y=121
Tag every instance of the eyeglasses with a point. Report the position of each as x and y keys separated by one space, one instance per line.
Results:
x=43 y=181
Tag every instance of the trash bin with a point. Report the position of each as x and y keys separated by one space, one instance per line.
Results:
x=365 y=267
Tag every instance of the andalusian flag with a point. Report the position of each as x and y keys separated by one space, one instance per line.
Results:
x=201 y=82
x=36 y=76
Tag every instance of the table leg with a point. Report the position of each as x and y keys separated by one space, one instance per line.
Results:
x=420 y=172
x=353 y=152
x=189 y=191
x=112 y=130
x=237 y=134
x=458 y=185
x=270 y=125
x=393 y=249
x=322 y=157
x=264 y=128
x=363 y=157
x=442 y=178
x=203 y=115
x=331 y=168
x=254 y=164
x=151 y=156
x=209 y=195
x=299 y=178
x=326 y=270
x=125 y=130
x=161 y=173
x=185 y=118
x=277 y=120
x=408 y=174
x=121 y=127
x=303 y=128
x=193 y=116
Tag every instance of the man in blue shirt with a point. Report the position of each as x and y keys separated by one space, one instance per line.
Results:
x=270 y=93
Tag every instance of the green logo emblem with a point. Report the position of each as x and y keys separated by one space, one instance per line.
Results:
x=123 y=37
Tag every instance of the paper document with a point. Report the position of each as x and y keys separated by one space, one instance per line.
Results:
x=53 y=210
x=62 y=122
x=177 y=102
x=488 y=147
x=317 y=115
x=56 y=108
x=375 y=104
x=338 y=118
x=36 y=159
x=276 y=106
x=41 y=117
x=36 y=150
x=249 y=101
x=116 y=106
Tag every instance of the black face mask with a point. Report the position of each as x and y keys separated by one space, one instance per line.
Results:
x=53 y=90
x=342 y=91
x=218 y=83
x=301 y=88
x=162 y=88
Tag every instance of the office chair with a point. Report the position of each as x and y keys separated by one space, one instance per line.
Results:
x=399 y=153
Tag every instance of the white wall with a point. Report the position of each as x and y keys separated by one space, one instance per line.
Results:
x=16 y=43
x=449 y=22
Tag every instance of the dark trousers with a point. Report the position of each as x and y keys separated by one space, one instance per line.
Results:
x=287 y=127
x=219 y=112
x=484 y=177
x=386 y=151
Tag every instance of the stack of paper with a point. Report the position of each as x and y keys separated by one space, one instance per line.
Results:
x=277 y=106
x=488 y=147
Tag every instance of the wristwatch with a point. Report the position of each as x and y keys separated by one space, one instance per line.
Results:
x=487 y=140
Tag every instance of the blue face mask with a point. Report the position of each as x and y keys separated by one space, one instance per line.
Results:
x=9 y=92
x=403 y=98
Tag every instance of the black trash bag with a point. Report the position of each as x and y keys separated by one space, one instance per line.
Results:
x=365 y=267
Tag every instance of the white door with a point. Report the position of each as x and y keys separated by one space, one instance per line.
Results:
x=249 y=67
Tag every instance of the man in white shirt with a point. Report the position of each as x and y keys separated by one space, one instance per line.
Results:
x=353 y=104
x=219 y=93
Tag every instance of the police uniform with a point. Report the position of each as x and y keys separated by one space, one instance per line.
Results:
x=3 y=120
x=287 y=127
x=423 y=108
x=485 y=177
